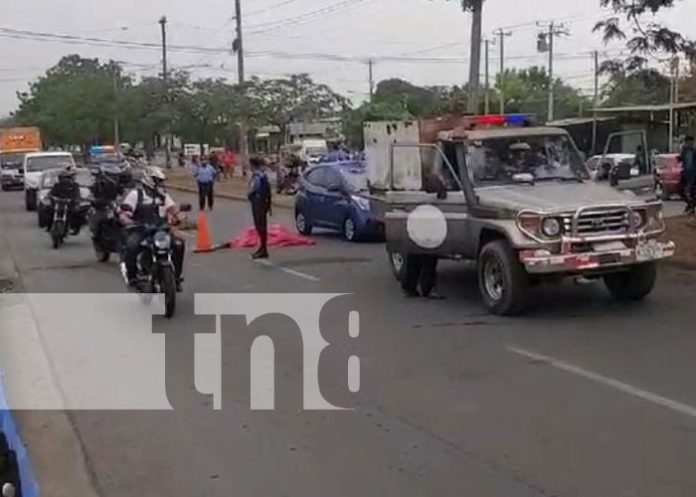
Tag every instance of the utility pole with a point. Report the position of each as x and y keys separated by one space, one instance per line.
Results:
x=502 y=34
x=595 y=102
x=117 y=131
x=238 y=47
x=165 y=79
x=673 y=96
x=370 y=65
x=487 y=43
x=547 y=44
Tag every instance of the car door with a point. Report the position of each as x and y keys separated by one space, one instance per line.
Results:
x=315 y=190
x=337 y=204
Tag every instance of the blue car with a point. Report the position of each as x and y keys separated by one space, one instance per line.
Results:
x=334 y=196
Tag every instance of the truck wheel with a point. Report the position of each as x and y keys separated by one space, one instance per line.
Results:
x=503 y=281
x=398 y=264
x=634 y=284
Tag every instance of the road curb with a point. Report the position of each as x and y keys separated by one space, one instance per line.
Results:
x=228 y=196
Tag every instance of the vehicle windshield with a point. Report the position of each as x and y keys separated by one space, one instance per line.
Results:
x=355 y=180
x=38 y=164
x=11 y=161
x=316 y=151
x=539 y=158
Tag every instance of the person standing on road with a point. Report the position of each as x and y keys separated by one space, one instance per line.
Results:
x=228 y=161
x=260 y=199
x=687 y=157
x=205 y=175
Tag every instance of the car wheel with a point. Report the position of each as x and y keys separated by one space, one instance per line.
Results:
x=302 y=224
x=634 y=284
x=503 y=282
x=397 y=261
x=350 y=231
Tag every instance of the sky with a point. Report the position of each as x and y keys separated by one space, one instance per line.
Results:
x=276 y=31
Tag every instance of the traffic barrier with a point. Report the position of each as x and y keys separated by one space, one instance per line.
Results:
x=15 y=468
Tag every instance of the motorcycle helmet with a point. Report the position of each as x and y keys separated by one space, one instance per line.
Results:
x=66 y=175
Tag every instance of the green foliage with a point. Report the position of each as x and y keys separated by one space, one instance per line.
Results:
x=378 y=111
x=648 y=36
x=526 y=91
x=642 y=87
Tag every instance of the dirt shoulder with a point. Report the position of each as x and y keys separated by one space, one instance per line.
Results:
x=682 y=231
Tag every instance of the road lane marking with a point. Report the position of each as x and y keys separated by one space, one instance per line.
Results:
x=607 y=381
x=287 y=270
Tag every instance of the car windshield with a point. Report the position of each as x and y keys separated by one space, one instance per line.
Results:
x=539 y=158
x=11 y=161
x=355 y=179
x=316 y=151
x=37 y=164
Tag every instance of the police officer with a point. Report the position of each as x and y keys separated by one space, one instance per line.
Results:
x=260 y=198
x=144 y=205
x=66 y=188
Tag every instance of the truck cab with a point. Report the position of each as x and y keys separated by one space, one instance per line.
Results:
x=515 y=198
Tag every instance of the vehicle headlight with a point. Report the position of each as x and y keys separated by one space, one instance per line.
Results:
x=638 y=219
x=162 y=240
x=551 y=227
x=361 y=202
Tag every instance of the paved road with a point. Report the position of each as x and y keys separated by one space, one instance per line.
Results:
x=582 y=397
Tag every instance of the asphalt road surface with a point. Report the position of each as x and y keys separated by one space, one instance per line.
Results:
x=582 y=397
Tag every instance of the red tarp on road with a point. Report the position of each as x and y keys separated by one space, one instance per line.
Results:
x=278 y=236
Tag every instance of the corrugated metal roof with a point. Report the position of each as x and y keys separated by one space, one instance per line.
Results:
x=648 y=108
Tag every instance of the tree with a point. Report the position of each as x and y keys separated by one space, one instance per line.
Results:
x=297 y=98
x=642 y=87
x=353 y=120
x=649 y=37
x=74 y=102
x=526 y=92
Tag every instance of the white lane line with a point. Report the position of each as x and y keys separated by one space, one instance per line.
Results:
x=605 y=380
x=287 y=270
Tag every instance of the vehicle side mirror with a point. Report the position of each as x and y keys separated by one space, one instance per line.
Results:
x=185 y=208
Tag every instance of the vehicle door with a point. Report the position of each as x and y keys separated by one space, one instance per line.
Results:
x=315 y=195
x=337 y=204
x=638 y=175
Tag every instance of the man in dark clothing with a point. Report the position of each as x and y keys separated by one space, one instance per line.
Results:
x=260 y=199
x=687 y=157
x=66 y=188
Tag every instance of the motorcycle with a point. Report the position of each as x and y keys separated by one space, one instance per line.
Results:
x=156 y=273
x=59 y=227
x=106 y=229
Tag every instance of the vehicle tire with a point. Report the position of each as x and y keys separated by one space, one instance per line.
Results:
x=57 y=231
x=350 y=231
x=168 y=286
x=662 y=193
x=503 y=282
x=397 y=261
x=302 y=224
x=634 y=284
x=102 y=254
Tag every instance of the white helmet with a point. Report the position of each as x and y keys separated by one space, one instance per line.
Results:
x=156 y=173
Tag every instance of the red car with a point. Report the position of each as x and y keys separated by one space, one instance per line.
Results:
x=667 y=175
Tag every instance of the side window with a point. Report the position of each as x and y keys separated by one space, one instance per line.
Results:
x=316 y=176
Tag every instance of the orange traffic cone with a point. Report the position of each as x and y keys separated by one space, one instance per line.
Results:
x=203 y=240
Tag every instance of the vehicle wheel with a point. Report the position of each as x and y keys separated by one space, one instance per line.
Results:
x=398 y=264
x=102 y=255
x=502 y=279
x=661 y=192
x=57 y=234
x=350 y=232
x=168 y=285
x=634 y=284
x=302 y=224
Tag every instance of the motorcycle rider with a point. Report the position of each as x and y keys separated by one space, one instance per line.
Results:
x=144 y=205
x=66 y=188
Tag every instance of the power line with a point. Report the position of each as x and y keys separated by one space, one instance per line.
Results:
x=268 y=9
x=309 y=16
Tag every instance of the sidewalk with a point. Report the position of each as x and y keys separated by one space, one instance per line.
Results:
x=231 y=188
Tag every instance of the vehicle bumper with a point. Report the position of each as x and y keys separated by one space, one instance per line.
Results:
x=12 y=182
x=543 y=262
